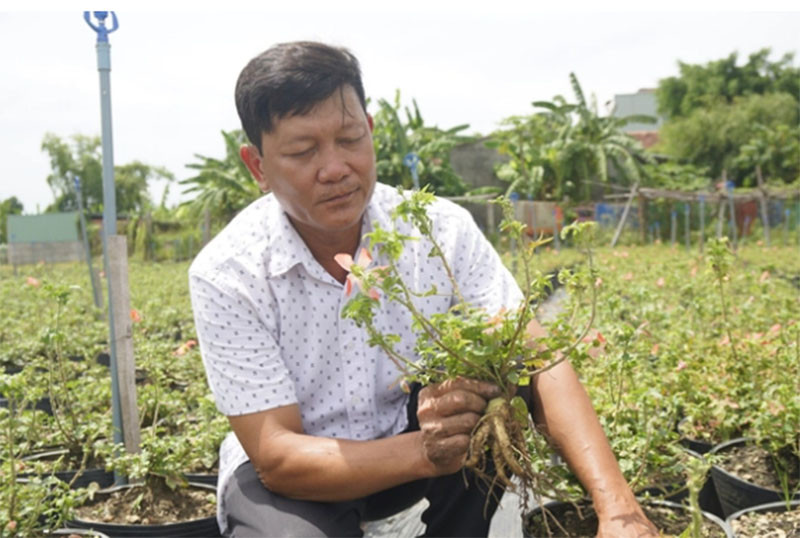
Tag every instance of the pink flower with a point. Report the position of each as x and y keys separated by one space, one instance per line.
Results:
x=764 y=277
x=681 y=366
x=184 y=348
x=136 y=317
x=346 y=262
x=33 y=282
x=660 y=282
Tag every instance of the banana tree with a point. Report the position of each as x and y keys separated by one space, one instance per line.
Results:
x=223 y=187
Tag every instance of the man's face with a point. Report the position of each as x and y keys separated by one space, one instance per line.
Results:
x=320 y=166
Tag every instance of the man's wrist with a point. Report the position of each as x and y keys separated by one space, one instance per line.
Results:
x=614 y=501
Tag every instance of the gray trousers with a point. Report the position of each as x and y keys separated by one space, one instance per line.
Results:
x=455 y=509
x=460 y=504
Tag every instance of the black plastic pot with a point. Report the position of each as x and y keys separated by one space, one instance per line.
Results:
x=103 y=359
x=695 y=445
x=559 y=507
x=206 y=526
x=79 y=532
x=768 y=507
x=201 y=478
x=42 y=404
x=736 y=494
x=102 y=477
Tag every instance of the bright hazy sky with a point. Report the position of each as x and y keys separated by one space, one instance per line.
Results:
x=173 y=73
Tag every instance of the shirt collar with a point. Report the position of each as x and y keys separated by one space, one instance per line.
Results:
x=286 y=249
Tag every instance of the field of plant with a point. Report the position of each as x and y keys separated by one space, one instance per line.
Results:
x=710 y=342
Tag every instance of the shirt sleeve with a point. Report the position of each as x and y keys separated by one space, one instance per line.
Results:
x=239 y=345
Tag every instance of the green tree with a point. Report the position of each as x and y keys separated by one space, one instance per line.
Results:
x=776 y=150
x=532 y=169
x=723 y=81
x=222 y=186
x=9 y=206
x=714 y=136
x=395 y=138
x=566 y=149
x=81 y=156
x=672 y=175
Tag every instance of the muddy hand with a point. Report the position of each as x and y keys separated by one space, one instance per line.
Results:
x=447 y=414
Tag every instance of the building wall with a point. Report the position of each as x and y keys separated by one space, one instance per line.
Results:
x=475 y=163
x=641 y=102
x=30 y=253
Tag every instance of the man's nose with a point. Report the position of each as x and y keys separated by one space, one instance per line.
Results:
x=333 y=165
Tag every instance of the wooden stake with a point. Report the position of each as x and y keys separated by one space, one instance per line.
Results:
x=624 y=216
x=123 y=339
x=764 y=202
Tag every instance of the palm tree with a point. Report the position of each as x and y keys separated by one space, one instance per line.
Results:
x=587 y=143
x=223 y=186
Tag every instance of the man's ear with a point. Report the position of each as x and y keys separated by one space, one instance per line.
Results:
x=251 y=157
x=371 y=123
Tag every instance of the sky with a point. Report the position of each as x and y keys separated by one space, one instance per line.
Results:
x=173 y=72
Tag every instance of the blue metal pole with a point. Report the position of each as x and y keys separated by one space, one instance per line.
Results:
x=109 y=201
x=411 y=160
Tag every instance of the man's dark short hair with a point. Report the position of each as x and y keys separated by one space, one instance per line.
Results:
x=290 y=79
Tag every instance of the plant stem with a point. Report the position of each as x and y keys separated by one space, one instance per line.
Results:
x=725 y=319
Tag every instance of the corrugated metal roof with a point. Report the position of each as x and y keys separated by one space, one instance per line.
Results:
x=45 y=228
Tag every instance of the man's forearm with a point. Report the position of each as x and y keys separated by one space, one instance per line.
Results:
x=328 y=470
x=563 y=410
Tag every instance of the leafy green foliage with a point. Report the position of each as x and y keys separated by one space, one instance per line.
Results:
x=394 y=137
x=81 y=156
x=222 y=186
x=775 y=151
x=53 y=333
x=9 y=206
x=713 y=137
x=700 y=87
x=672 y=175
x=561 y=152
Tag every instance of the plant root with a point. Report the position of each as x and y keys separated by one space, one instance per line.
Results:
x=499 y=436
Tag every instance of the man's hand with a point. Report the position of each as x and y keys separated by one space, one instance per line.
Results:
x=630 y=522
x=447 y=414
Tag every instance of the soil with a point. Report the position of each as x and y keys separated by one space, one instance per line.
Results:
x=670 y=521
x=754 y=464
x=141 y=505
x=768 y=525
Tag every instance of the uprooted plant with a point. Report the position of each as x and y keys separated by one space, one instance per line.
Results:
x=467 y=341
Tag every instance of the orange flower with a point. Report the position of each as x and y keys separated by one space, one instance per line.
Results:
x=346 y=262
x=764 y=277
x=135 y=316
x=33 y=282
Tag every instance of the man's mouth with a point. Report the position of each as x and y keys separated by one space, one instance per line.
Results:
x=339 y=197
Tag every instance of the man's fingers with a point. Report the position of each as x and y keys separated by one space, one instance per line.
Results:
x=482 y=388
x=451 y=403
x=455 y=425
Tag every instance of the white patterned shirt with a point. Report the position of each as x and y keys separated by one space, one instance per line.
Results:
x=268 y=319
